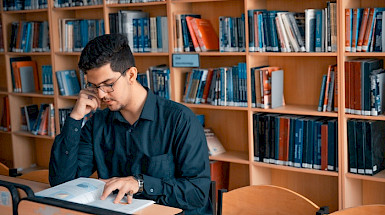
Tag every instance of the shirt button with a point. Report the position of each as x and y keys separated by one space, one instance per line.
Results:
x=151 y=190
x=66 y=152
x=76 y=129
x=130 y=130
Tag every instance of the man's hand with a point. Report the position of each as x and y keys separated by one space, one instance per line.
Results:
x=87 y=101
x=126 y=185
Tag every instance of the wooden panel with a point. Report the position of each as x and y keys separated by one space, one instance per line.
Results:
x=23 y=151
x=229 y=126
x=322 y=190
x=143 y=63
x=43 y=152
x=6 y=149
x=306 y=76
x=294 y=5
x=238 y=176
x=373 y=192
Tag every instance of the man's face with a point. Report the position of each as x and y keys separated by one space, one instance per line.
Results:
x=110 y=87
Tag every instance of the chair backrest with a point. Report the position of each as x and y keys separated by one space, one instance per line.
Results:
x=4 y=170
x=265 y=200
x=9 y=196
x=362 y=210
x=37 y=175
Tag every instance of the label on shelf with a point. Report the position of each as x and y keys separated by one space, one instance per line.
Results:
x=185 y=60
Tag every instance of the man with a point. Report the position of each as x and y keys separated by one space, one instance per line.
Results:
x=141 y=144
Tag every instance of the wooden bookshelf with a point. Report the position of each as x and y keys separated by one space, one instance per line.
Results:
x=232 y=125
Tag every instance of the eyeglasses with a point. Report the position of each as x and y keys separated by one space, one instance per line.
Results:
x=107 y=88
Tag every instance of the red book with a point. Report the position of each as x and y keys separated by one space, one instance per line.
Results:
x=283 y=155
x=324 y=147
x=364 y=22
x=347 y=87
x=207 y=86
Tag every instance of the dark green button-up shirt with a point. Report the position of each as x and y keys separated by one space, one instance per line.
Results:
x=166 y=144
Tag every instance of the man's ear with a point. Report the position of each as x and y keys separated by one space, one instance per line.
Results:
x=132 y=73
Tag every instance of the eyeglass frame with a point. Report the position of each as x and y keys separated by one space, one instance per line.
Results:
x=96 y=88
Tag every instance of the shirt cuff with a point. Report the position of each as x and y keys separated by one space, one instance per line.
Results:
x=72 y=129
x=152 y=186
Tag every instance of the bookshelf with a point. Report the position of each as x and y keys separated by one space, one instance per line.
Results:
x=232 y=125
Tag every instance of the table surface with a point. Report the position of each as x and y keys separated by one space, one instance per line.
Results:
x=152 y=209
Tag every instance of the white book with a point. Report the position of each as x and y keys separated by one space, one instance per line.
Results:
x=88 y=191
x=213 y=143
x=277 y=99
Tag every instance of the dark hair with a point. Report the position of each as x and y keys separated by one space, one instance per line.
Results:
x=108 y=48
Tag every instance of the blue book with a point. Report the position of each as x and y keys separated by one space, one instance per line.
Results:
x=332 y=144
x=201 y=86
x=159 y=33
x=378 y=34
x=317 y=145
x=357 y=18
x=318 y=30
x=146 y=34
x=322 y=93
x=136 y=34
x=298 y=142
x=274 y=44
x=250 y=17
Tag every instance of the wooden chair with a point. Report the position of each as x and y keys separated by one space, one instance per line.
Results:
x=362 y=210
x=37 y=175
x=265 y=200
x=4 y=170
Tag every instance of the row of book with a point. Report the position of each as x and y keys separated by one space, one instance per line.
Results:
x=29 y=37
x=47 y=80
x=363 y=31
x=366 y=146
x=364 y=87
x=144 y=33
x=11 y=5
x=157 y=79
x=74 y=34
x=267 y=87
x=315 y=30
x=76 y=3
x=5 y=123
x=298 y=141
x=328 y=98
x=38 y=121
x=224 y=86
x=195 y=34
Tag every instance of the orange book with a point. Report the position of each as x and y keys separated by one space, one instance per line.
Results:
x=365 y=43
x=43 y=129
x=16 y=76
x=324 y=147
x=364 y=22
x=206 y=35
x=348 y=29
x=16 y=69
x=192 y=33
x=18 y=38
x=326 y=99
x=347 y=87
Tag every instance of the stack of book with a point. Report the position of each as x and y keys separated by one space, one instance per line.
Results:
x=314 y=30
x=24 y=73
x=364 y=30
x=38 y=121
x=224 y=86
x=366 y=146
x=364 y=87
x=144 y=33
x=298 y=141
x=328 y=97
x=29 y=37
x=267 y=87
x=74 y=34
x=68 y=82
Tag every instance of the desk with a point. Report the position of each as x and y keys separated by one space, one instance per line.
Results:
x=150 y=210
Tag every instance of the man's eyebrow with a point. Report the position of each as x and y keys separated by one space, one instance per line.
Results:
x=103 y=82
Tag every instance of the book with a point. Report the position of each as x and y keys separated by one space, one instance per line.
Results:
x=88 y=191
x=213 y=143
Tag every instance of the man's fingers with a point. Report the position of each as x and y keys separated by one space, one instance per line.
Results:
x=108 y=190
x=119 y=196
x=130 y=196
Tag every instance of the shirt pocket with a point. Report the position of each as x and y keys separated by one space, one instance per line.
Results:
x=159 y=166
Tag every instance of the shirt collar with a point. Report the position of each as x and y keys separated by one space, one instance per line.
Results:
x=147 y=112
